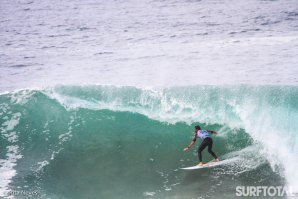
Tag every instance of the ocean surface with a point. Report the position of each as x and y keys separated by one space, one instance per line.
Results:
x=99 y=98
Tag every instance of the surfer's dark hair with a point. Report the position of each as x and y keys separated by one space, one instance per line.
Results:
x=198 y=127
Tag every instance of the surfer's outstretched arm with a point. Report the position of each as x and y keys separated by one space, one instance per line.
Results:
x=190 y=145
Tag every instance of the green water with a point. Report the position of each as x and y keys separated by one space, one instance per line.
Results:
x=125 y=142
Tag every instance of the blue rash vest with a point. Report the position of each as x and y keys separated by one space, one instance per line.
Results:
x=202 y=134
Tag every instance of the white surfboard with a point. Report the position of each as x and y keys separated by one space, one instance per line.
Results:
x=210 y=164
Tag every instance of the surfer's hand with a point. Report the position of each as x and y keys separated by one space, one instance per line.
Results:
x=185 y=149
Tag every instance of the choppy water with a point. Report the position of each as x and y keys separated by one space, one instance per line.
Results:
x=169 y=65
x=147 y=43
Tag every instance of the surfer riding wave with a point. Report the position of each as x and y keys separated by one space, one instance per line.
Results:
x=205 y=136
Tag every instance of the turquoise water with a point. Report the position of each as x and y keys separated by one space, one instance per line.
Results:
x=126 y=142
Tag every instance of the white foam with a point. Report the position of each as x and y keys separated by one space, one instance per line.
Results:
x=42 y=164
x=156 y=104
x=7 y=166
x=7 y=171
x=21 y=96
x=10 y=124
x=278 y=136
x=149 y=193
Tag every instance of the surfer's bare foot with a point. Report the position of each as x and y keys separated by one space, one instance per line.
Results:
x=216 y=160
x=200 y=164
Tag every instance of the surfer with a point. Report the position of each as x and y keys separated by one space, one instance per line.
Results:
x=205 y=136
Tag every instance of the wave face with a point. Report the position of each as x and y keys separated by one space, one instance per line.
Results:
x=126 y=142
